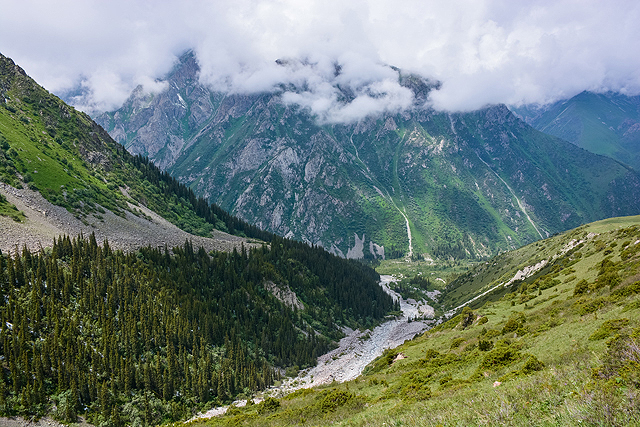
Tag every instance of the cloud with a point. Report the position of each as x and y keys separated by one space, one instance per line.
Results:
x=483 y=52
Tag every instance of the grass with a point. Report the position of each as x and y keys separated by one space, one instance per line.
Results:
x=535 y=356
x=10 y=210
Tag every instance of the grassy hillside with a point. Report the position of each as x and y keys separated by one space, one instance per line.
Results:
x=560 y=347
x=603 y=123
x=60 y=152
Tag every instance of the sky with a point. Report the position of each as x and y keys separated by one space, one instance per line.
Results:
x=482 y=52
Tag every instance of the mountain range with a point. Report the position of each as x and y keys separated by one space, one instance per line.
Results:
x=421 y=182
x=603 y=123
x=142 y=333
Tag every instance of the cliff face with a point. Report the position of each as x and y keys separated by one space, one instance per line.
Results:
x=419 y=182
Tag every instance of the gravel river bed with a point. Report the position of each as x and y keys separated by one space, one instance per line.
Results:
x=355 y=351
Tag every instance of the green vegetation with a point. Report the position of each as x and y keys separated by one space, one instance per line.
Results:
x=603 y=123
x=532 y=356
x=10 y=210
x=463 y=181
x=60 y=152
x=147 y=337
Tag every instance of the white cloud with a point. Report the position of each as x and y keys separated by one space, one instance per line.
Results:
x=483 y=51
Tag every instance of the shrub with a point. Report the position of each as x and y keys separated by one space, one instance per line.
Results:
x=418 y=385
x=610 y=278
x=532 y=365
x=591 y=306
x=333 y=399
x=456 y=343
x=499 y=357
x=608 y=328
x=492 y=333
x=467 y=317
x=431 y=354
x=621 y=361
x=485 y=345
x=631 y=289
x=268 y=405
x=515 y=322
x=581 y=288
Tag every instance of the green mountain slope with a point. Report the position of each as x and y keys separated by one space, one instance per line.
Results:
x=153 y=333
x=559 y=348
x=421 y=182
x=607 y=123
x=73 y=163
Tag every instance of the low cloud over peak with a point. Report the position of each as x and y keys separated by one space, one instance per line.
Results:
x=483 y=52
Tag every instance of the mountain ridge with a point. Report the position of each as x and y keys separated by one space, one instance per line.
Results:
x=468 y=184
x=603 y=123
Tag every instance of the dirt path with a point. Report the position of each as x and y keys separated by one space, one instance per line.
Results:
x=355 y=351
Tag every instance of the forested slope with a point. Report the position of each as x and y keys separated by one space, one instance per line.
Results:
x=139 y=338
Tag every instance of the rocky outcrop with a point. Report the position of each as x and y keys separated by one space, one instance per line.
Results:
x=284 y=294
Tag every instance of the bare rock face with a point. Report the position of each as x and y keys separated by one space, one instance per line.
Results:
x=455 y=185
x=285 y=295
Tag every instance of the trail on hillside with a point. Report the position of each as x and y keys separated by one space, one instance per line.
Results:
x=355 y=351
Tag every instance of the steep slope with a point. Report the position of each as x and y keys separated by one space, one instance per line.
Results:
x=560 y=348
x=150 y=334
x=435 y=184
x=68 y=176
x=605 y=123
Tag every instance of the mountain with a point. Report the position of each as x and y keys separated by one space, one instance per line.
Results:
x=603 y=123
x=556 y=343
x=68 y=176
x=421 y=183
x=135 y=330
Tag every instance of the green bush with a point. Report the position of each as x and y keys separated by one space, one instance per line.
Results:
x=608 y=328
x=485 y=345
x=492 y=333
x=499 y=357
x=515 y=322
x=468 y=317
x=333 y=399
x=588 y=307
x=626 y=291
x=268 y=405
x=581 y=288
x=417 y=385
x=532 y=365
x=456 y=343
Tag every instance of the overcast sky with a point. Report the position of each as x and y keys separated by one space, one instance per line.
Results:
x=483 y=51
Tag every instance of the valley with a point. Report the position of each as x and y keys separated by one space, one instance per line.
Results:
x=558 y=345
x=354 y=352
x=130 y=299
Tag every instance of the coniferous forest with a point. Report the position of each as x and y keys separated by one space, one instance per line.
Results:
x=150 y=336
